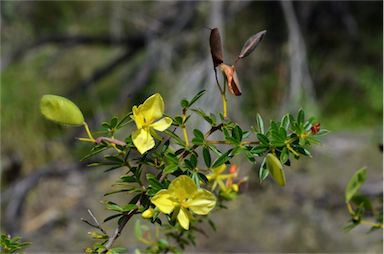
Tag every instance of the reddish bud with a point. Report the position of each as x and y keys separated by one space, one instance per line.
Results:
x=315 y=128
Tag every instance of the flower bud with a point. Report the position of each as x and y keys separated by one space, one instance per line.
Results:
x=147 y=214
x=276 y=169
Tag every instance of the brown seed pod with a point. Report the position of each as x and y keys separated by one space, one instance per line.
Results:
x=216 y=47
x=232 y=80
x=251 y=44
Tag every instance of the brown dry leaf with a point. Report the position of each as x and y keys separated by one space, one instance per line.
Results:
x=251 y=44
x=216 y=47
x=232 y=79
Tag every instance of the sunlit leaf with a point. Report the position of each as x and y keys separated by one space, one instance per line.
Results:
x=61 y=110
x=355 y=183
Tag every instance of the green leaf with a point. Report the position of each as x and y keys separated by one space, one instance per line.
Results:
x=198 y=134
x=171 y=168
x=128 y=178
x=138 y=231
x=284 y=155
x=61 y=110
x=263 y=171
x=199 y=137
x=276 y=169
x=222 y=159
x=260 y=123
x=285 y=122
x=112 y=217
x=300 y=117
x=262 y=138
x=259 y=149
x=113 y=206
x=237 y=134
x=174 y=136
x=125 y=120
x=129 y=207
x=114 y=122
x=172 y=158
x=322 y=132
x=204 y=116
x=196 y=97
x=184 y=103
x=355 y=183
x=207 y=157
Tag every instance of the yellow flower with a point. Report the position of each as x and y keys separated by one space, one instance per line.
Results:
x=217 y=177
x=147 y=118
x=181 y=195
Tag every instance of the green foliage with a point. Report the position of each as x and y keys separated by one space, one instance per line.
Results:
x=12 y=245
x=360 y=207
x=355 y=183
x=145 y=175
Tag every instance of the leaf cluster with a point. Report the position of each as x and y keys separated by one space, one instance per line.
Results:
x=143 y=175
x=10 y=244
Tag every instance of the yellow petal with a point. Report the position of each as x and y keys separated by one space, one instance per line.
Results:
x=143 y=140
x=138 y=117
x=183 y=218
x=152 y=108
x=162 y=124
x=202 y=202
x=164 y=201
x=183 y=187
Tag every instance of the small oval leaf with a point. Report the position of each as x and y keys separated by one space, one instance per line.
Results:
x=251 y=44
x=276 y=169
x=61 y=110
x=216 y=47
x=355 y=183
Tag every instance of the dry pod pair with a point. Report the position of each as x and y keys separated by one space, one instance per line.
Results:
x=218 y=57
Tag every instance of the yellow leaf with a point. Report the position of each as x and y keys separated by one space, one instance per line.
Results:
x=61 y=110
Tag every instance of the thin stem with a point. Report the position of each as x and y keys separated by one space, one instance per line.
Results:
x=207 y=134
x=228 y=143
x=88 y=131
x=217 y=81
x=119 y=229
x=291 y=149
x=372 y=224
x=350 y=209
x=86 y=140
x=183 y=127
x=224 y=98
x=98 y=226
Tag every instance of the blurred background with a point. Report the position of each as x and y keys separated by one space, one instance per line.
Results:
x=325 y=57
